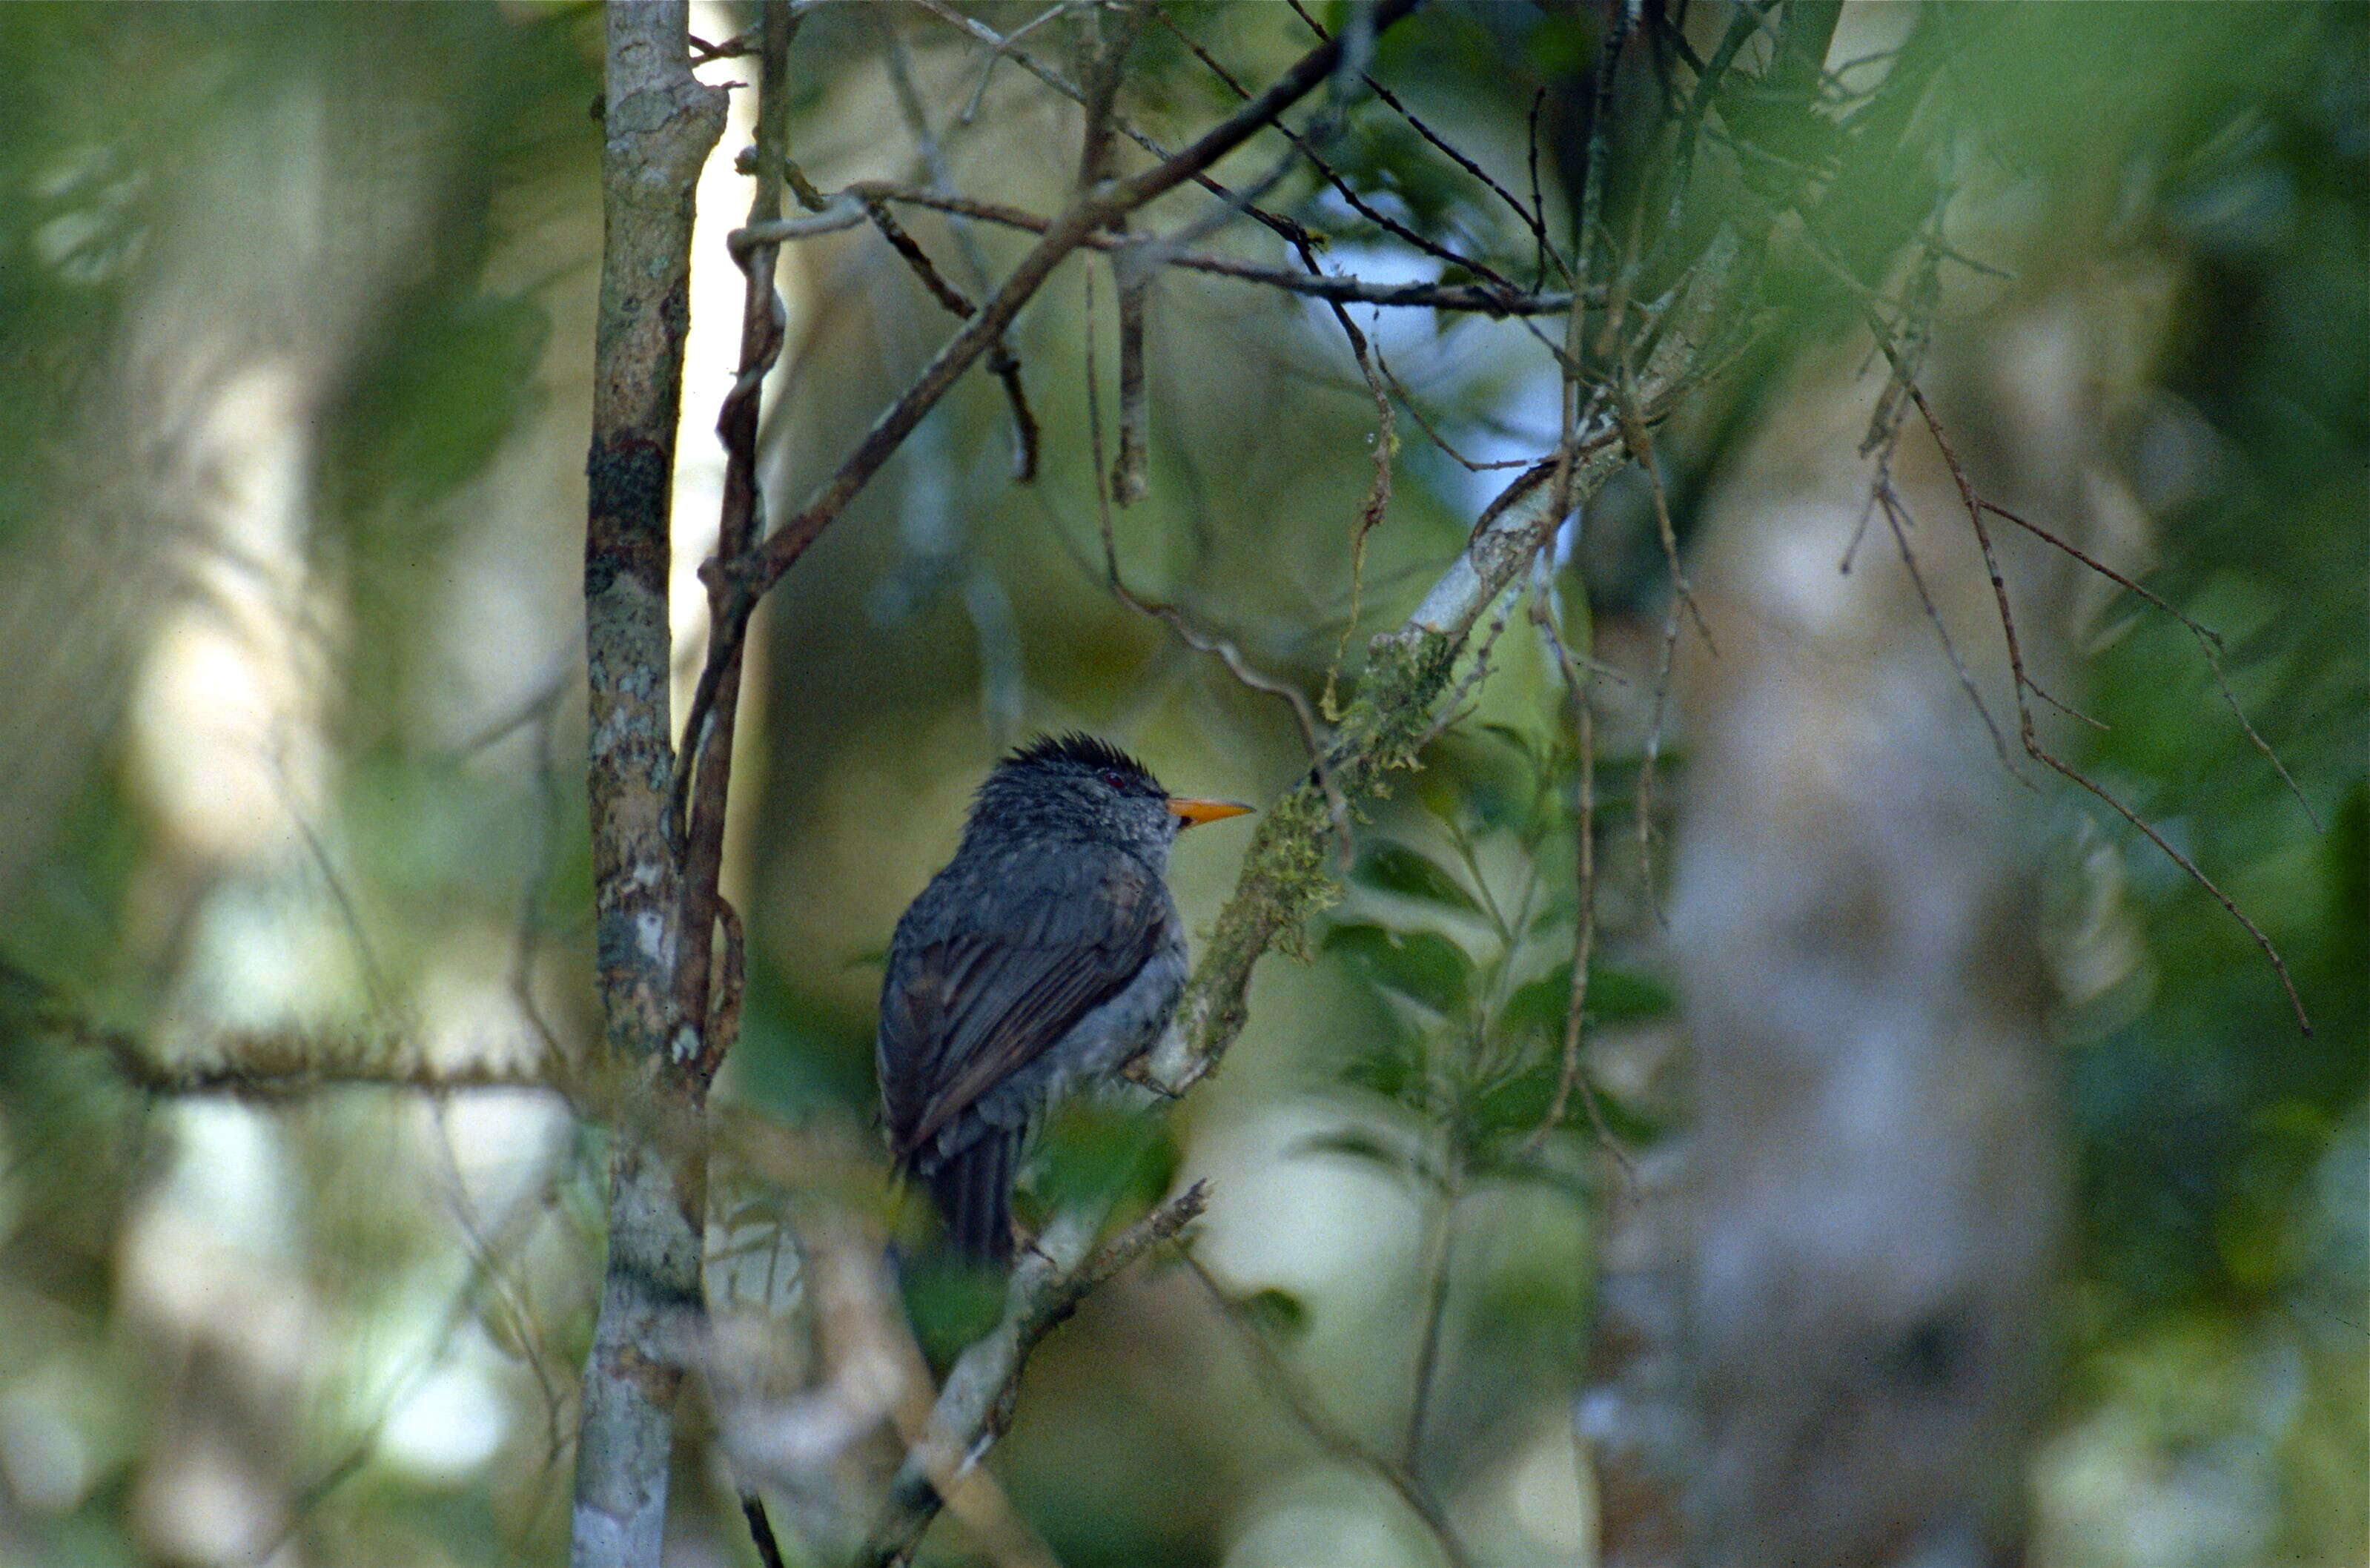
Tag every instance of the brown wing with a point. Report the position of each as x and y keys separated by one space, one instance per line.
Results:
x=989 y=971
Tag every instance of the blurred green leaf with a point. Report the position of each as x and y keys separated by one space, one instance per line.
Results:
x=951 y=1301
x=1095 y=1148
x=1277 y=1311
x=1388 y=1064
x=1403 y=1159
x=1614 y=996
x=1393 y=867
x=1509 y=1163
x=1423 y=967
x=1358 y=1143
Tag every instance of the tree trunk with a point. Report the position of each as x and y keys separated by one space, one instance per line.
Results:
x=661 y=124
x=1823 y=1336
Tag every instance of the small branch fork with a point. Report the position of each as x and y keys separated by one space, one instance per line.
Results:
x=738 y=578
x=1902 y=351
x=977 y=1405
x=848 y=209
x=1283 y=1381
x=1976 y=509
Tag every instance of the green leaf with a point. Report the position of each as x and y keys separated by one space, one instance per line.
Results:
x=1519 y=739
x=1389 y=1064
x=1614 y=996
x=1402 y=1159
x=1510 y=1165
x=1356 y=1143
x=1423 y=967
x=1386 y=864
x=951 y=1302
x=1278 y=1313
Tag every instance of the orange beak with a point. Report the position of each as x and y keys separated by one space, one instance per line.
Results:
x=1196 y=813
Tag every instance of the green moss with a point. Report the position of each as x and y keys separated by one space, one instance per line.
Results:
x=1287 y=875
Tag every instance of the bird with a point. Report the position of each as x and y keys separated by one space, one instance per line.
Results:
x=1045 y=957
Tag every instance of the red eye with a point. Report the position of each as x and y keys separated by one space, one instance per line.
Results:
x=1114 y=777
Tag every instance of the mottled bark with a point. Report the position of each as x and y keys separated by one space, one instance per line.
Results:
x=661 y=124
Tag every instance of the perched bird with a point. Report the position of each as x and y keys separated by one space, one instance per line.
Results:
x=1047 y=954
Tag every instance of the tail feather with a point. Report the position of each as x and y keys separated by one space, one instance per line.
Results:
x=973 y=1188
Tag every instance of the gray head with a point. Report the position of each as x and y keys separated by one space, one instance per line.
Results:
x=1081 y=788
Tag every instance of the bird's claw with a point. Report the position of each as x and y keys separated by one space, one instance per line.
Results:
x=1139 y=1072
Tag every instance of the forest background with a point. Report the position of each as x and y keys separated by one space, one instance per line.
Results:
x=305 y=1148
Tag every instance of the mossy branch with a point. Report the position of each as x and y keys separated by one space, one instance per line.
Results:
x=1284 y=878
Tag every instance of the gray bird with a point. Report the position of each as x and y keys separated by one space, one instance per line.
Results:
x=1048 y=954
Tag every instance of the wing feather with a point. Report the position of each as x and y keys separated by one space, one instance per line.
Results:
x=987 y=974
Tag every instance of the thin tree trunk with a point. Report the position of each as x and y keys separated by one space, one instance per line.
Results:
x=661 y=124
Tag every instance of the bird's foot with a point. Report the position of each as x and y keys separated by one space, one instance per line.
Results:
x=1139 y=1073
x=1025 y=1240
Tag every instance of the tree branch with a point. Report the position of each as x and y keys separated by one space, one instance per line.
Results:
x=975 y=1407
x=1282 y=880
x=707 y=751
x=737 y=582
x=661 y=124
x=1483 y=299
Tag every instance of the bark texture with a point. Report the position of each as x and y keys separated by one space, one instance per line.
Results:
x=661 y=124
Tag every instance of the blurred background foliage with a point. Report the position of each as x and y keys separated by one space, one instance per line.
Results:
x=295 y=306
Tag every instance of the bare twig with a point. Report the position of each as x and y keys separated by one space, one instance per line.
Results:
x=1283 y=1380
x=2209 y=643
x=761 y=1530
x=1415 y=411
x=1568 y=1076
x=1538 y=202
x=1749 y=19
x=1132 y=281
x=1532 y=220
x=1182 y=625
x=1001 y=46
x=2035 y=749
x=974 y=1408
x=1437 y=1274
x=1377 y=502
x=1896 y=517
x=1002 y=363
x=723 y=1030
x=918 y=261
x=1480 y=299
x=732 y=48
x=1307 y=147
x=1640 y=440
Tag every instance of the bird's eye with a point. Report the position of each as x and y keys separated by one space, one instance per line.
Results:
x=1114 y=777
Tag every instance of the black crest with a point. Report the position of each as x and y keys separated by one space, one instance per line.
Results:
x=1079 y=749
